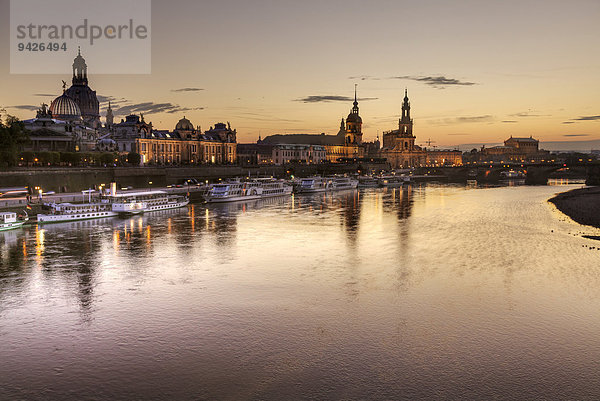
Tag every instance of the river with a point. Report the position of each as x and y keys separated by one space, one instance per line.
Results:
x=435 y=291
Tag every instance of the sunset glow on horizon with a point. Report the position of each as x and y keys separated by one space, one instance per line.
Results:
x=476 y=72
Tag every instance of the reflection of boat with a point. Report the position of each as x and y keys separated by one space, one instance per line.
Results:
x=236 y=191
x=9 y=238
x=113 y=205
x=10 y=221
x=246 y=205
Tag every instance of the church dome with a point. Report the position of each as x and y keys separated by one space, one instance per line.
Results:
x=65 y=108
x=184 y=125
x=354 y=118
x=86 y=98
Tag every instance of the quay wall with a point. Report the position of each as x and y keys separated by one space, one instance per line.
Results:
x=78 y=179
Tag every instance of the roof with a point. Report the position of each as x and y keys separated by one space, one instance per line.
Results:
x=522 y=139
x=305 y=139
x=140 y=193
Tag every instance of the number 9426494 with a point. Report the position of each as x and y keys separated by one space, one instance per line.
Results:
x=42 y=47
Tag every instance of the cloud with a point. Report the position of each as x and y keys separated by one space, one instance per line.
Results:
x=187 y=90
x=568 y=122
x=459 y=134
x=439 y=82
x=487 y=118
x=330 y=98
x=509 y=121
x=587 y=118
x=153 y=108
x=474 y=119
x=24 y=107
x=529 y=114
x=252 y=116
x=364 y=78
x=112 y=99
x=576 y=135
x=45 y=94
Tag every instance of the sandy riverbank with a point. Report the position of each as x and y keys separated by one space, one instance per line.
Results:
x=582 y=205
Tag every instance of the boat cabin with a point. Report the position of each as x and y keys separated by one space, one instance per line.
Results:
x=8 y=217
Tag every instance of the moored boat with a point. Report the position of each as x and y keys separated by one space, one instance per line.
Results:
x=123 y=204
x=322 y=184
x=340 y=183
x=367 y=182
x=314 y=184
x=145 y=201
x=394 y=181
x=60 y=212
x=235 y=191
x=12 y=221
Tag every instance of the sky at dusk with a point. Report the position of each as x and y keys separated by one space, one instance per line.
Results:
x=476 y=71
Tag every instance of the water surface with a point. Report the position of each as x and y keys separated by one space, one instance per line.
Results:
x=429 y=292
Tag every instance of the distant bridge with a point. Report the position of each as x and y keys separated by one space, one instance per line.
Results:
x=537 y=172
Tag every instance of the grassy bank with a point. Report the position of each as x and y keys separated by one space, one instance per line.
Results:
x=581 y=205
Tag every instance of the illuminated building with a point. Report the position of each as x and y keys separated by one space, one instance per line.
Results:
x=347 y=143
x=401 y=152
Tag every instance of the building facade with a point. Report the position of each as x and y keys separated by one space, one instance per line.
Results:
x=50 y=134
x=514 y=149
x=184 y=145
x=347 y=143
x=251 y=153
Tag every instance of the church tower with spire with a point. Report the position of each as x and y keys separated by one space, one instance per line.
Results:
x=79 y=70
x=109 y=117
x=354 y=124
x=402 y=139
x=83 y=95
x=405 y=124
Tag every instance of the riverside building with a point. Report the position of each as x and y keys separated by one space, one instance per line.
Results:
x=400 y=150
x=72 y=124
x=347 y=143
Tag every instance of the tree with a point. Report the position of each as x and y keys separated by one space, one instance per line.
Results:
x=134 y=158
x=70 y=158
x=12 y=137
x=106 y=158
x=27 y=157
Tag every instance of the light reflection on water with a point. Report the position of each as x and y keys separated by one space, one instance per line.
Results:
x=428 y=291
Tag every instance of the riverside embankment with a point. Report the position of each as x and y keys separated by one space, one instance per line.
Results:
x=581 y=205
x=78 y=179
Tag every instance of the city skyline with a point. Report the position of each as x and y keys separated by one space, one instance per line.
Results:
x=475 y=73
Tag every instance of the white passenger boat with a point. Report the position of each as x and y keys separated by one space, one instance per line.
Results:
x=123 y=204
x=367 y=182
x=10 y=221
x=315 y=184
x=235 y=191
x=145 y=201
x=60 y=212
x=272 y=187
x=340 y=183
x=323 y=184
